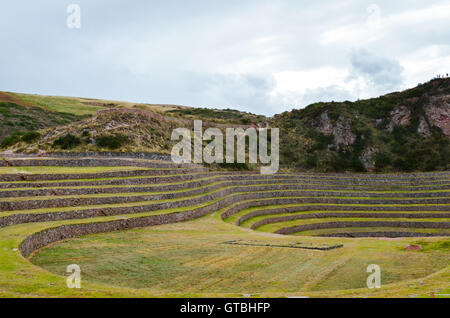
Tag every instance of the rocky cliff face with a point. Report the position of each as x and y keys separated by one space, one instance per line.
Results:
x=404 y=131
x=438 y=112
x=400 y=116
x=341 y=130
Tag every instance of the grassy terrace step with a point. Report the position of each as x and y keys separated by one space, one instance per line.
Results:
x=378 y=178
x=256 y=214
x=150 y=172
x=39 y=240
x=261 y=221
x=234 y=210
x=70 y=170
x=80 y=191
x=280 y=190
x=392 y=232
x=174 y=178
x=91 y=162
x=270 y=185
x=166 y=186
x=223 y=198
x=291 y=227
x=405 y=205
x=292 y=272
x=99 y=175
x=117 y=161
x=161 y=187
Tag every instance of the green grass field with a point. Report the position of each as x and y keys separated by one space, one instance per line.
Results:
x=51 y=170
x=59 y=104
x=191 y=259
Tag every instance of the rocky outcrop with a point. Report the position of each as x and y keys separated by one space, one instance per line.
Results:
x=400 y=116
x=438 y=113
x=341 y=130
x=367 y=159
x=424 y=128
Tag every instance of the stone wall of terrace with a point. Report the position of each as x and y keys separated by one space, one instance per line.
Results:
x=388 y=234
x=344 y=224
x=226 y=196
x=285 y=201
x=41 y=239
x=324 y=196
x=112 y=174
x=276 y=184
x=324 y=215
x=300 y=209
x=95 y=155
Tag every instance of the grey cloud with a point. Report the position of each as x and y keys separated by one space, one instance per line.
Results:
x=330 y=93
x=248 y=92
x=380 y=71
x=206 y=53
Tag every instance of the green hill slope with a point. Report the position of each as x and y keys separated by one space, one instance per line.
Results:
x=403 y=131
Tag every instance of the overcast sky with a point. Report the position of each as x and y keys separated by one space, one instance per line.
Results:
x=261 y=56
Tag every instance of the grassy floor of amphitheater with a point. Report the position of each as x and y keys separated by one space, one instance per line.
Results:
x=142 y=228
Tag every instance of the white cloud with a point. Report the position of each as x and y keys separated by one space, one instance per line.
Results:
x=258 y=55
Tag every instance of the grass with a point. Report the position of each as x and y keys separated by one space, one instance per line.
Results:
x=65 y=170
x=316 y=206
x=190 y=258
x=370 y=229
x=99 y=179
x=338 y=194
x=68 y=105
x=276 y=226
x=249 y=222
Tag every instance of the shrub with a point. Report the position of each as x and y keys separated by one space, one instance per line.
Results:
x=382 y=160
x=69 y=141
x=31 y=136
x=11 y=140
x=245 y=121
x=111 y=142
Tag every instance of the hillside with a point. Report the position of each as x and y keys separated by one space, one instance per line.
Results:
x=403 y=131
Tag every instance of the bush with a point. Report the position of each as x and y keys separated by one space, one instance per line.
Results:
x=382 y=160
x=31 y=136
x=69 y=141
x=11 y=140
x=245 y=121
x=111 y=142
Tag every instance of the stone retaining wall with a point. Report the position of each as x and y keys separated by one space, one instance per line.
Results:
x=203 y=199
x=111 y=156
x=43 y=238
x=107 y=155
x=89 y=162
x=226 y=176
x=349 y=215
x=136 y=173
x=287 y=184
x=384 y=234
x=297 y=209
x=66 y=202
x=100 y=175
x=245 y=205
x=339 y=225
